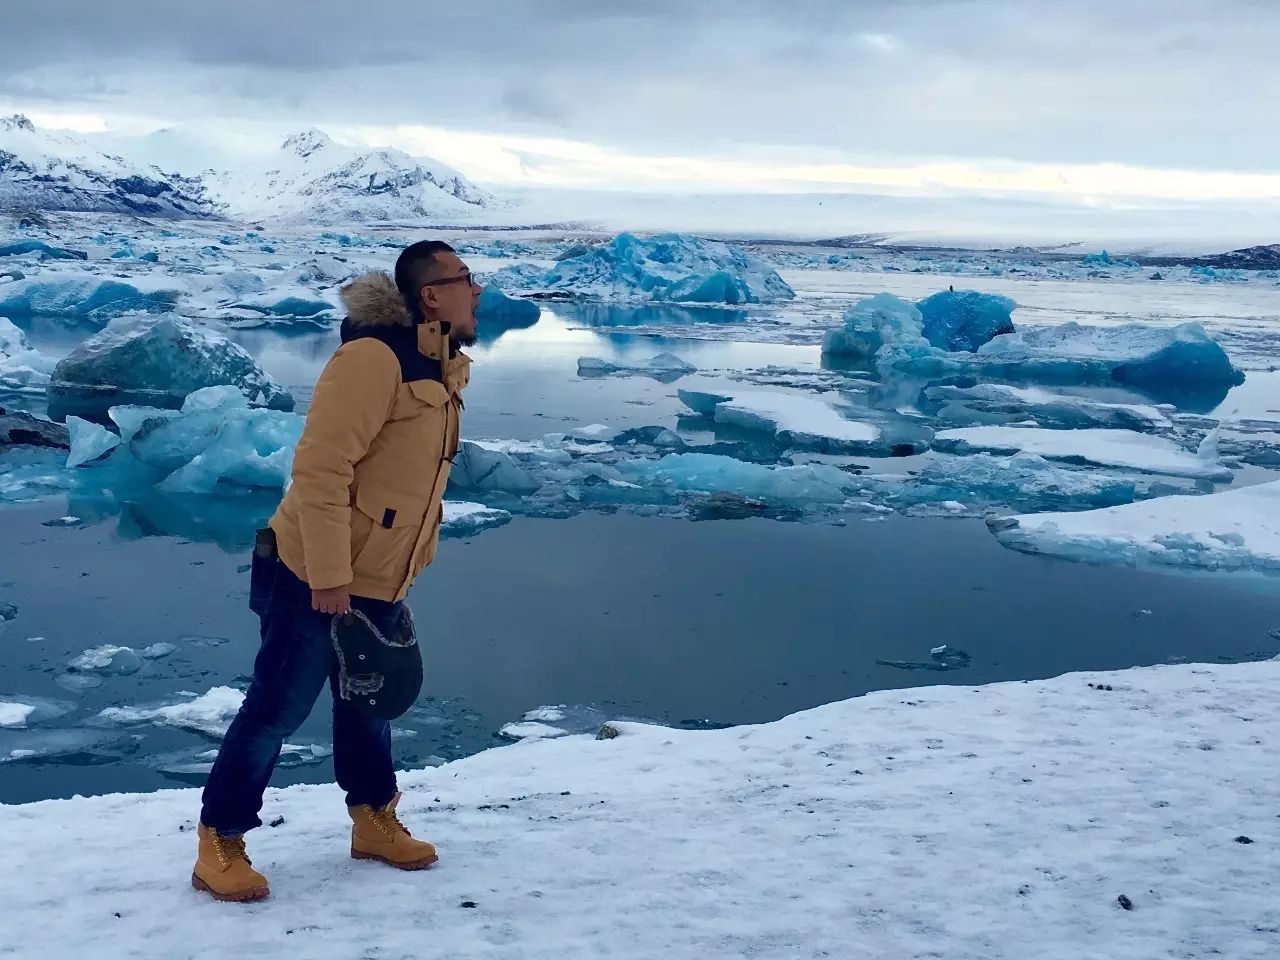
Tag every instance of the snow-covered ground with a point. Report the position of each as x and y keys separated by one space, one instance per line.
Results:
x=1118 y=815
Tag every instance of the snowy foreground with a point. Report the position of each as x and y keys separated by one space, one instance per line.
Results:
x=956 y=822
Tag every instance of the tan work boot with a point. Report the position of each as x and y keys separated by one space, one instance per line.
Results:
x=379 y=835
x=224 y=870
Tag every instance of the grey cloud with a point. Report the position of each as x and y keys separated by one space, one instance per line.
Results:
x=1160 y=82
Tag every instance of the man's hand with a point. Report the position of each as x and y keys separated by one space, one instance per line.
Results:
x=333 y=600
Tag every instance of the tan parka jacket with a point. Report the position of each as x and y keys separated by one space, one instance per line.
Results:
x=363 y=507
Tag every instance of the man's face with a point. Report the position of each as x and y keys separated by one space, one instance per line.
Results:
x=450 y=295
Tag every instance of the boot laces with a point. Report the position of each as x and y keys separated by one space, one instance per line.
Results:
x=389 y=823
x=231 y=849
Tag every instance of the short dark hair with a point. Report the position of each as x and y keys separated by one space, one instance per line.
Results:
x=412 y=269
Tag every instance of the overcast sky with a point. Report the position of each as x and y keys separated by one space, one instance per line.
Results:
x=1086 y=97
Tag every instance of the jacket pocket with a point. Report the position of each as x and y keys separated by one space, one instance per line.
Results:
x=393 y=525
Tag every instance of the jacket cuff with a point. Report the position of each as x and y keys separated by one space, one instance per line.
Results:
x=326 y=578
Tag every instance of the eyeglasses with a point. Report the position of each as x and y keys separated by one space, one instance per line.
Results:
x=463 y=278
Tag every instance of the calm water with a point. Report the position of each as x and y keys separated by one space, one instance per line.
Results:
x=715 y=622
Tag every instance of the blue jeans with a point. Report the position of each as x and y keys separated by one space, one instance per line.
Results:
x=295 y=659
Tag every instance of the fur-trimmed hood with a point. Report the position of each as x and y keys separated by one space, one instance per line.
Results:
x=372 y=300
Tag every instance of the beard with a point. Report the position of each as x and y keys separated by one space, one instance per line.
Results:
x=464 y=339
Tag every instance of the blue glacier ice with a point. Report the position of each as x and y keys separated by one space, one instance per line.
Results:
x=666 y=367
x=1141 y=355
x=1022 y=478
x=124 y=253
x=216 y=438
x=22 y=369
x=156 y=361
x=710 y=473
x=876 y=322
x=498 y=313
x=702 y=402
x=89 y=441
x=86 y=296
x=669 y=267
x=478 y=469
x=1104 y=259
x=346 y=240
x=997 y=403
x=1133 y=353
x=47 y=252
x=965 y=319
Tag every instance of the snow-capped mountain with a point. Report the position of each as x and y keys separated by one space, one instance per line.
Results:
x=311 y=177
x=45 y=171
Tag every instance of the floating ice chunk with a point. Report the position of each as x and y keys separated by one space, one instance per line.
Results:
x=1104 y=259
x=1132 y=353
x=475 y=468
x=1233 y=530
x=546 y=714
x=508 y=312
x=77 y=747
x=19 y=713
x=89 y=441
x=211 y=713
x=1108 y=448
x=1208 y=449
x=594 y=431
x=22 y=370
x=663 y=366
x=132 y=419
x=462 y=518
x=530 y=730
x=249 y=448
x=14 y=713
x=669 y=267
x=46 y=252
x=1022 y=478
x=992 y=402
x=941 y=659
x=965 y=319
x=873 y=323
x=158 y=361
x=157 y=651
x=1137 y=354
x=709 y=473
x=87 y=295
x=700 y=402
x=797 y=420
x=108 y=659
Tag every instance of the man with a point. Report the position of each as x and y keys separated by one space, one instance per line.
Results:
x=359 y=522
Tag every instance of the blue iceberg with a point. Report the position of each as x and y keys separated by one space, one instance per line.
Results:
x=876 y=322
x=89 y=441
x=1022 y=478
x=86 y=296
x=1104 y=259
x=22 y=370
x=47 y=252
x=669 y=267
x=158 y=362
x=997 y=403
x=666 y=367
x=1131 y=353
x=710 y=473
x=965 y=319
x=498 y=313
